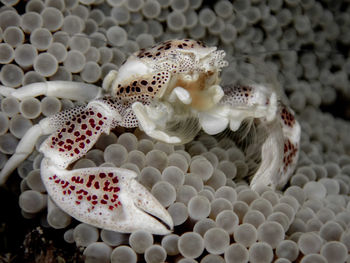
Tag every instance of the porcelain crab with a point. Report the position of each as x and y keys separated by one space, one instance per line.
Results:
x=171 y=91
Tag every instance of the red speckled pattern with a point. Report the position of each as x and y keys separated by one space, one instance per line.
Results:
x=287 y=117
x=290 y=152
x=291 y=134
x=76 y=136
x=96 y=189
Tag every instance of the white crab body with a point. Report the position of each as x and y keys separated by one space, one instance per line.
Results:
x=171 y=91
x=154 y=73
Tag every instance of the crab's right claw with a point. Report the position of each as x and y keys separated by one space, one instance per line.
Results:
x=106 y=197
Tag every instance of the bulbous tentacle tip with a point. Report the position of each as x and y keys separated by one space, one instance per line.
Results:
x=106 y=197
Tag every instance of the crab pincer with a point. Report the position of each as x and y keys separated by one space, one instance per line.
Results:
x=106 y=197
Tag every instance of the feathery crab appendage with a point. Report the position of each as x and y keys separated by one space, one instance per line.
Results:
x=109 y=198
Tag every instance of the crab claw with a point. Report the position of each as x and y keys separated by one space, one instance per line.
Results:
x=106 y=197
x=144 y=209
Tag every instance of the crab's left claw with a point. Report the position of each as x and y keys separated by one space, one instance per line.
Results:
x=106 y=197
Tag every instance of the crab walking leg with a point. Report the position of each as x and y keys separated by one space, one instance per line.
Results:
x=61 y=89
x=26 y=147
x=109 y=198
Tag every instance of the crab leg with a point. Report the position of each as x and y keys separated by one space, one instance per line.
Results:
x=61 y=89
x=23 y=150
x=109 y=198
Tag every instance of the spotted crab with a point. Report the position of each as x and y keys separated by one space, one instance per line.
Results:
x=171 y=91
